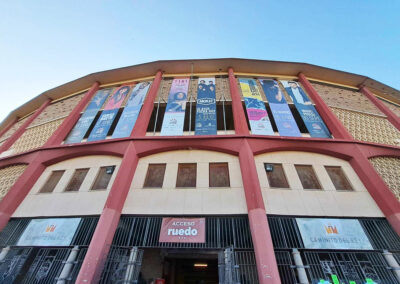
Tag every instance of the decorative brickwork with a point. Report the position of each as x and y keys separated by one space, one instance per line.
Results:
x=222 y=89
x=14 y=128
x=35 y=137
x=345 y=98
x=368 y=128
x=389 y=169
x=163 y=91
x=8 y=176
x=395 y=109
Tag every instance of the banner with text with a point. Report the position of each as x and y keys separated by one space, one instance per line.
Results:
x=131 y=111
x=183 y=230
x=103 y=124
x=314 y=123
x=284 y=119
x=256 y=112
x=174 y=116
x=206 y=109
x=84 y=122
x=333 y=234
x=49 y=232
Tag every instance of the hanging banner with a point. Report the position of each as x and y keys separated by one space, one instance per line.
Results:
x=49 y=232
x=314 y=123
x=131 y=111
x=206 y=109
x=103 y=124
x=174 y=116
x=333 y=234
x=284 y=119
x=84 y=122
x=256 y=112
x=183 y=230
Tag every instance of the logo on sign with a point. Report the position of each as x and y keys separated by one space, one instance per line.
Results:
x=50 y=228
x=206 y=101
x=331 y=230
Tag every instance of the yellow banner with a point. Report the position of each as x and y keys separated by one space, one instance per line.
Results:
x=250 y=89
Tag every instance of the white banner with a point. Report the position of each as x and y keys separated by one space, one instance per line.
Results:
x=333 y=234
x=49 y=232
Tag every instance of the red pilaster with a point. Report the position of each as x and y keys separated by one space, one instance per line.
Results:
x=377 y=188
x=239 y=118
x=20 y=190
x=96 y=255
x=69 y=122
x=142 y=122
x=8 y=143
x=263 y=248
x=394 y=119
x=8 y=126
x=334 y=124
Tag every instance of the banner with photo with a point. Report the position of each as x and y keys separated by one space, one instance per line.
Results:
x=320 y=233
x=256 y=112
x=49 y=232
x=174 y=116
x=206 y=109
x=103 y=124
x=284 y=119
x=131 y=111
x=84 y=122
x=314 y=123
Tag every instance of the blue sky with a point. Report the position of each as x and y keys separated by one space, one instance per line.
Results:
x=46 y=43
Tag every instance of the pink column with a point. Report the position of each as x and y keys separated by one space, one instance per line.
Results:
x=69 y=122
x=8 y=143
x=267 y=267
x=239 y=118
x=99 y=247
x=394 y=119
x=334 y=124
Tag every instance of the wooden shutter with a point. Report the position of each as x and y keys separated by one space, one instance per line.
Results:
x=338 y=178
x=219 y=175
x=186 y=175
x=277 y=177
x=76 y=180
x=52 y=181
x=307 y=177
x=103 y=178
x=155 y=175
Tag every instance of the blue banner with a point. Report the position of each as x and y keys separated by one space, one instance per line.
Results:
x=131 y=111
x=100 y=130
x=84 y=122
x=284 y=119
x=206 y=109
x=314 y=123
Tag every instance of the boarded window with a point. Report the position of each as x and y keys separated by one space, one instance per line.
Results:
x=155 y=175
x=338 y=178
x=186 y=175
x=219 y=175
x=76 y=180
x=52 y=181
x=103 y=178
x=276 y=176
x=307 y=177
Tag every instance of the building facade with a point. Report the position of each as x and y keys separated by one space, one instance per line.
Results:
x=203 y=171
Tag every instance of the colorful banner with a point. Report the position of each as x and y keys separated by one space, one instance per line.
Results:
x=84 y=122
x=256 y=112
x=174 y=116
x=314 y=123
x=49 y=232
x=183 y=230
x=284 y=119
x=103 y=124
x=206 y=109
x=333 y=234
x=131 y=111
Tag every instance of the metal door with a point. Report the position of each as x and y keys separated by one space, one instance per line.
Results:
x=12 y=264
x=228 y=271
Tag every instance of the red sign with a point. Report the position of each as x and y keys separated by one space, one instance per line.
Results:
x=183 y=230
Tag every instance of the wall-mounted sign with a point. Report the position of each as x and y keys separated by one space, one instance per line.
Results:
x=49 y=232
x=183 y=230
x=206 y=110
x=333 y=234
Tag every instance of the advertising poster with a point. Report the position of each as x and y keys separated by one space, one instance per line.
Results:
x=84 y=122
x=103 y=124
x=284 y=119
x=256 y=112
x=206 y=109
x=333 y=234
x=314 y=123
x=183 y=230
x=49 y=232
x=174 y=116
x=131 y=111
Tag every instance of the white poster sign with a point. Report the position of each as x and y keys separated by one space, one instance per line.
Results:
x=333 y=234
x=49 y=232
